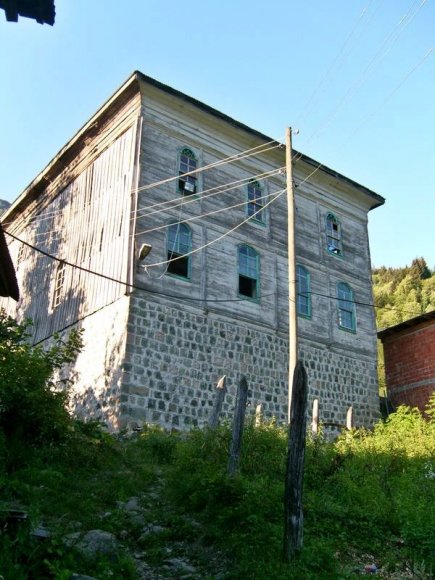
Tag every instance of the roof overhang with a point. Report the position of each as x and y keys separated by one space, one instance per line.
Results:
x=127 y=90
x=412 y=322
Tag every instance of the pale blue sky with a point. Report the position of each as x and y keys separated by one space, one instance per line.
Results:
x=340 y=71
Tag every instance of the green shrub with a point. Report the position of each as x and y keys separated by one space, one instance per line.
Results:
x=32 y=407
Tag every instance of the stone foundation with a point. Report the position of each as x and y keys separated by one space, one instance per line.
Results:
x=175 y=357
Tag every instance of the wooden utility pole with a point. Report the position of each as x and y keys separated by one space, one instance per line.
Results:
x=292 y=294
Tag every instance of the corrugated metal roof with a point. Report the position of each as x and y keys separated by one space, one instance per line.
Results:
x=407 y=324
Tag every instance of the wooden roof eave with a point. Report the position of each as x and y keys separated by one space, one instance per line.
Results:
x=397 y=328
x=72 y=147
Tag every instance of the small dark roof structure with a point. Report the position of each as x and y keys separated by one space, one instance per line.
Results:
x=8 y=280
x=42 y=11
x=406 y=324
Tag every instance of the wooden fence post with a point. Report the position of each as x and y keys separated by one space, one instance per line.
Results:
x=349 y=419
x=221 y=389
x=293 y=513
x=239 y=417
x=315 y=419
x=258 y=415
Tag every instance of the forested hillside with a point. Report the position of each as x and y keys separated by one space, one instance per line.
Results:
x=402 y=293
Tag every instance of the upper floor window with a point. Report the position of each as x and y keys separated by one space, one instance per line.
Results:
x=333 y=235
x=249 y=272
x=346 y=307
x=59 y=283
x=255 y=201
x=187 y=184
x=303 y=299
x=178 y=245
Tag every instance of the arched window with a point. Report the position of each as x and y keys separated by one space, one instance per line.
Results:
x=303 y=299
x=333 y=235
x=59 y=283
x=187 y=184
x=346 y=307
x=255 y=201
x=249 y=272
x=178 y=244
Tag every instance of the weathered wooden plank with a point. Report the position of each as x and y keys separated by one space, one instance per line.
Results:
x=293 y=512
x=238 y=421
x=221 y=389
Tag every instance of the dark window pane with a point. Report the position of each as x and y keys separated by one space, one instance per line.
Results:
x=179 y=267
x=247 y=287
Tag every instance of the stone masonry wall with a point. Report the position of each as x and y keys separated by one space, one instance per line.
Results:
x=175 y=357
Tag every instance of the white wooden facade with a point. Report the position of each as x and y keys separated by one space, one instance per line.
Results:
x=155 y=341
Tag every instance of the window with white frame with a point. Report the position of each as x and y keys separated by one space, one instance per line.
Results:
x=178 y=246
x=249 y=272
x=346 y=307
x=333 y=235
x=59 y=284
x=187 y=181
x=303 y=291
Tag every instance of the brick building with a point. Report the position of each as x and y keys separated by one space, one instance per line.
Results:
x=409 y=351
x=158 y=169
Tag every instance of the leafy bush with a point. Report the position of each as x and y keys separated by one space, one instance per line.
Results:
x=367 y=492
x=32 y=407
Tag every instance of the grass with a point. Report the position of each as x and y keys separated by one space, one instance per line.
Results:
x=368 y=499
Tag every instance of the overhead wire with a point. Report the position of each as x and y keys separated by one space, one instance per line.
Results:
x=373 y=112
x=174 y=203
x=197 y=217
x=236 y=157
x=226 y=233
x=231 y=159
x=123 y=282
x=189 y=298
x=391 y=93
x=311 y=101
x=384 y=48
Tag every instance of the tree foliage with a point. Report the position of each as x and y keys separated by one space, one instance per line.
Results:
x=32 y=406
x=402 y=293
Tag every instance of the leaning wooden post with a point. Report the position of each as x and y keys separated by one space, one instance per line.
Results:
x=349 y=419
x=315 y=419
x=221 y=389
x=293 y=514
x=239 y=418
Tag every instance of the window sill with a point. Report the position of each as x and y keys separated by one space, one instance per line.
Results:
x=179 y=277
x=244 y=297
x=345 y=329
x=306 y=316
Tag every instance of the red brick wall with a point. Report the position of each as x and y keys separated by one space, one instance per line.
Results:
x=410 y=365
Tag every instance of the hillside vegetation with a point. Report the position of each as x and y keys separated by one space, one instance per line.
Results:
x=402 y=293
x=77 y=501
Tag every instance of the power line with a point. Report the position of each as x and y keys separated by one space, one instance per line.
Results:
x=384 y=48
x=231 y=159
x=310 y=103
x=258 y=150
x=196 y=217
x=189 y=298
x=182 y=201
x=277 y=195
x=172 y=203
x=392 y=93
x=123 y=282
